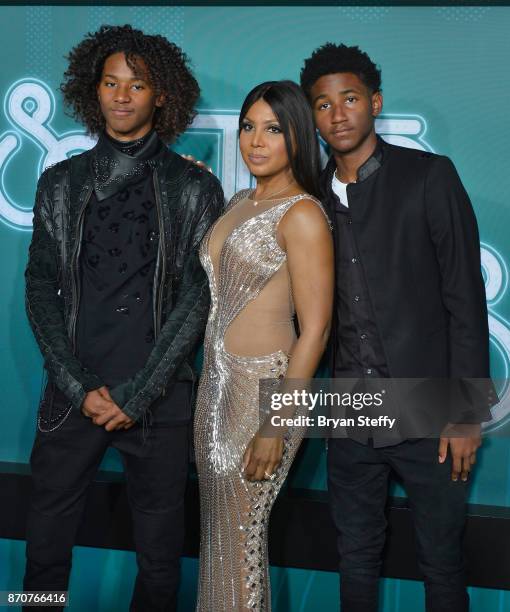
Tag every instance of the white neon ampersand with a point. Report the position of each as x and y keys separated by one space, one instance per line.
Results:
x=29 y=106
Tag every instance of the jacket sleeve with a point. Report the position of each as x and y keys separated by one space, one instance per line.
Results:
x=184 y=325
x=454 y=232
x=44 y=304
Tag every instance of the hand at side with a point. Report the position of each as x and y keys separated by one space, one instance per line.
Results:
x=261 y=457
x=464 y=440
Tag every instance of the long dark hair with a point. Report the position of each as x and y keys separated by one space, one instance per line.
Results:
x=289 y=104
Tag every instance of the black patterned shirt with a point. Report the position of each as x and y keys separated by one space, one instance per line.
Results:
x=115 y=332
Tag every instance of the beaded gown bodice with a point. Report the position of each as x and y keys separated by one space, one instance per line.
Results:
x=252 y=307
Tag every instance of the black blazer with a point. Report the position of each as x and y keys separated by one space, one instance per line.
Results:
x=419 y=247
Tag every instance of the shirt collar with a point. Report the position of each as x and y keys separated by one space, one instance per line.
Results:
x=371 y=165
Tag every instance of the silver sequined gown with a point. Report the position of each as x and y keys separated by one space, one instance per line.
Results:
x=249 y=336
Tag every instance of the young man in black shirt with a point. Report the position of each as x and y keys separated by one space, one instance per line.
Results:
x=117 y=300
x=410 y=303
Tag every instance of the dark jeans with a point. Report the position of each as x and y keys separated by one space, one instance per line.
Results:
x=358 y=486
x=64 y=463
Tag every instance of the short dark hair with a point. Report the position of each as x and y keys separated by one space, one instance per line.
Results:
x=294 y=115
x=331 y=59
x=169 y=75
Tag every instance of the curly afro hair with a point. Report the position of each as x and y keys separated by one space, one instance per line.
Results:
x=331 y=59
x=169 y=75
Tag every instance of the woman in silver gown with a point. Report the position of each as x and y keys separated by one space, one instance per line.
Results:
x=269 y=256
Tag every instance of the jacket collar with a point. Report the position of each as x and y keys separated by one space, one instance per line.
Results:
x=115 y=167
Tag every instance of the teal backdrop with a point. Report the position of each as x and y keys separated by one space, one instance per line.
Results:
x=446 y=89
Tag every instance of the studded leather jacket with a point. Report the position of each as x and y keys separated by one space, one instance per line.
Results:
x=188 y=200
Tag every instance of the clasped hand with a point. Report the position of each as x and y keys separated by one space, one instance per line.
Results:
x=99 y=406
x=261 y=457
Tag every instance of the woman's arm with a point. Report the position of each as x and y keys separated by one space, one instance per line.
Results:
x=305 y=235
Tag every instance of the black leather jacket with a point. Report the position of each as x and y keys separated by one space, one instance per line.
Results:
x=188 y=200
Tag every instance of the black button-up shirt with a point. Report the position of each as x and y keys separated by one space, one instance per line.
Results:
x=357 y=347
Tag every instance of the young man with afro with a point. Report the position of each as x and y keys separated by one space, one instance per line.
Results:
x=118 y=300
x=410 y=303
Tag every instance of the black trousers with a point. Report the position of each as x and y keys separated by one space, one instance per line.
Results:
x=358 y=485
x=64 y=463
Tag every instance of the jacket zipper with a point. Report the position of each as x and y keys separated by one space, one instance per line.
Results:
x=158 y=302
x=64 y=250
x=74 y=271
